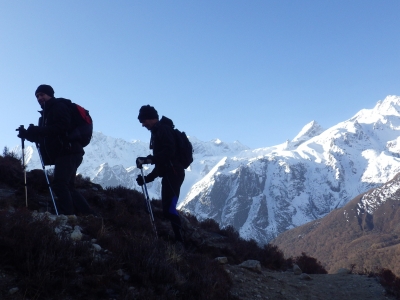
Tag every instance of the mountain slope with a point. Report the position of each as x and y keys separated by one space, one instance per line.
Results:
x=265 y=192
x=364 y=232
x=114 y=255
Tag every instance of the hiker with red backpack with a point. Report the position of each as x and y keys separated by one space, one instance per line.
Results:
x=167 y=163
x=60 y=143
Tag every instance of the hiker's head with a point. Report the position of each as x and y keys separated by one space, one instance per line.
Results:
x=148 y=116
x=44 y=93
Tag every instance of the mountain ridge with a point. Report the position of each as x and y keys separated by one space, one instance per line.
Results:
x=266 y=191
x=363 y=233
x=291 y=186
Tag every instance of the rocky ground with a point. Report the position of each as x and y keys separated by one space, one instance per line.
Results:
x=267 y=284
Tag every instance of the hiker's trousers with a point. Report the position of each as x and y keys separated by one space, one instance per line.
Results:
x=69 y=201
x=170 y=190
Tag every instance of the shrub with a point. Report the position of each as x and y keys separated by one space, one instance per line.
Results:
x=11 y=170
x=8 y=154
x=231 y=233
x=309 y=264
x=210 y=224
x=390 y=281
x=272 y=257
x=36 y=252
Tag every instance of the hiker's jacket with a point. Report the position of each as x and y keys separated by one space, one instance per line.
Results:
x=163 y=143
x=54 y=124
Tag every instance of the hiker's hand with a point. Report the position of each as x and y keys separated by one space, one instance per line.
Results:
x=31 y=134
x=25 y=134
x=33 y=130
x=147 y=179
x=140 y=161
x=139 y=180
x=22 y=132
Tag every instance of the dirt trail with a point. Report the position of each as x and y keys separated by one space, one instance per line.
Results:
x=285 y=285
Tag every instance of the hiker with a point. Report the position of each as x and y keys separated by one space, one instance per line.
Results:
x=166 y=164
x=56 y=149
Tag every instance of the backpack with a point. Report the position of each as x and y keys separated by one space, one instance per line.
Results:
x=82 y=125
x=184 y=148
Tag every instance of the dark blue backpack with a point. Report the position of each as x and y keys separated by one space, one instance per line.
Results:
x=184 y=148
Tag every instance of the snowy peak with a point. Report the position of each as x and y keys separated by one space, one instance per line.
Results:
x=309 y=131
x=389 y=107
x=265 y=192
x=216 y=147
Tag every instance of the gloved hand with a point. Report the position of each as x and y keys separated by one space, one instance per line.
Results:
x=147 y=179
x=140 y=161
x=22 y=132
x=139 y=180
x=33 y=130
x=31 y=134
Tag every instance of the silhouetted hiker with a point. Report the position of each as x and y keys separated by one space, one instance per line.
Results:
x=167 y=165
x=56 y=149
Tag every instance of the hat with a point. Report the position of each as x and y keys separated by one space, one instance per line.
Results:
x=45 y=89
x=147 y=112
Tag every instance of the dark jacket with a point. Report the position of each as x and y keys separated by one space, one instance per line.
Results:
x=54 y=125
x=163 y=143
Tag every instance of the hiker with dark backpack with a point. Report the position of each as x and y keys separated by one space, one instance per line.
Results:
x=169 y=163
x=60 y=137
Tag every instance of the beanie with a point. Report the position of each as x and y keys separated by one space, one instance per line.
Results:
x=46 y=89
x=147 y=112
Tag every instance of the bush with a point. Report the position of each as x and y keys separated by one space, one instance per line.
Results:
x=11 y=169
x=309 y=264
x=390 y=281
x=210 y=224
x=36 y=252
x=272 y=257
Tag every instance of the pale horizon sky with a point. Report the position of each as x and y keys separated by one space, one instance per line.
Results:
x=251 y=71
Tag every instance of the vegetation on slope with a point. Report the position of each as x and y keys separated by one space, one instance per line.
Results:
x=118 y=255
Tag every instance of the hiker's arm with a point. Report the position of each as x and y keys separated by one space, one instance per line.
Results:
x=166 y=138
x=152 y=175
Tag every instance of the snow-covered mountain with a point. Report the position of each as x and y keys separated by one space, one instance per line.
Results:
x=264 y=192
x=110 y=161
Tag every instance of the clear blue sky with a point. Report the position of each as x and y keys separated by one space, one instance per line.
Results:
x=252 y=71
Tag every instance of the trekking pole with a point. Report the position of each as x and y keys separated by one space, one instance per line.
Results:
x=47 y=178
x=149 y=210
x=21 y=127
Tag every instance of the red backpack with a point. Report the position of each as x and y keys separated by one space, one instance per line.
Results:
x=83 y=126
